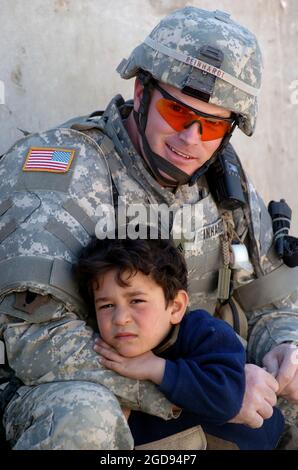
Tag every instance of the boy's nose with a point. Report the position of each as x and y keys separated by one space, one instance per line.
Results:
x=121 y=316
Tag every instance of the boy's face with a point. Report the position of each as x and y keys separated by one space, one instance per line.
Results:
x=134 y=319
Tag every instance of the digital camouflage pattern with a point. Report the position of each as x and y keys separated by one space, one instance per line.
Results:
x=188 y=31
x=68 y=415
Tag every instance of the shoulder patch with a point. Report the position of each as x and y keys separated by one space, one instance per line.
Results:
x=54 y=160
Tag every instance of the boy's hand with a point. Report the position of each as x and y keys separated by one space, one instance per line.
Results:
x=147 y=366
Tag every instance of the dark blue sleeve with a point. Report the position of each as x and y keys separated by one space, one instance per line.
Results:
x=204 y=371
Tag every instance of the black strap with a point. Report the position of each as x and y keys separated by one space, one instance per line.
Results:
x=5 y=397
x=96 y=113
x=9 y=391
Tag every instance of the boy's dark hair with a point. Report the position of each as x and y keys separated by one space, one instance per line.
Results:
x=158 y=258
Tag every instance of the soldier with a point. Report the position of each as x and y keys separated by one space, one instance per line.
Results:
x=198 y=74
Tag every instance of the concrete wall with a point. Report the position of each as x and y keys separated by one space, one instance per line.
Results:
x=58 y=60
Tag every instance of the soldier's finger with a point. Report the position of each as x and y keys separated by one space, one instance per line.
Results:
x=290 y=392
x=270 y=363
x=286 y=374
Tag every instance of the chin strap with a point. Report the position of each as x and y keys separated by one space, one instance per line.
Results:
x=155 y=161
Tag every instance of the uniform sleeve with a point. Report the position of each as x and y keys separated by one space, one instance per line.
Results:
x=208 y=378
x=272 y=325
x=62 y=349
x=274 y=318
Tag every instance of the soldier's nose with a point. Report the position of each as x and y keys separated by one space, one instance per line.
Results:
x=192 y=133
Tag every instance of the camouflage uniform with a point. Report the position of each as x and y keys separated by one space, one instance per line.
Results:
x=47 y=217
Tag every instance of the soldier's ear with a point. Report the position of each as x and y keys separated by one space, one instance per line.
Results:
x=138 y=93
x=178 y=306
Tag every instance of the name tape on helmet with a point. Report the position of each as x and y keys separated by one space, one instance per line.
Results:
x=199 y=64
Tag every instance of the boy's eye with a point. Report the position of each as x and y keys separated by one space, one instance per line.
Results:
x=105 y=306
x=136 y=301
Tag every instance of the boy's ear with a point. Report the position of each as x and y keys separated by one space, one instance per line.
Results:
x=138 y=93
x=179 y=306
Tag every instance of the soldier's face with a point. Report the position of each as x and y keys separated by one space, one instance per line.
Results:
x=134 y=319
x=185 y=149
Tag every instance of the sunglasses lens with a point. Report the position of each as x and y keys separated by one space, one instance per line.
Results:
x=175 y=114
x=180 y=117
x=214 y=129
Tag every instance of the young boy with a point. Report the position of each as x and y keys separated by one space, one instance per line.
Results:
x=138 y=289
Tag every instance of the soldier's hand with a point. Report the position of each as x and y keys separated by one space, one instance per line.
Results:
x=282 y=362
x=259 y=397
x=146 y=366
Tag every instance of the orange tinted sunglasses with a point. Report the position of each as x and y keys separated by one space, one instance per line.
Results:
x=180 y=116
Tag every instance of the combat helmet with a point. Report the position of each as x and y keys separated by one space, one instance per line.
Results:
x=206 y=55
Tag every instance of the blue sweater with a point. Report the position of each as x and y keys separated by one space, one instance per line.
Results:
x=204 y=375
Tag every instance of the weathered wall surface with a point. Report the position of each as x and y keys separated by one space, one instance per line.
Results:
x=58 y=60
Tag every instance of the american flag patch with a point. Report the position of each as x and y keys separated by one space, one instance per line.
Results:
x=48 y=159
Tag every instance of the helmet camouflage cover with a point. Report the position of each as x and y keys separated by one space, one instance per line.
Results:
x=207 y=55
